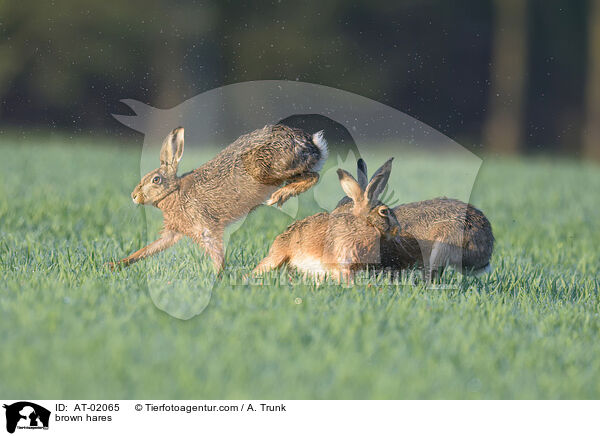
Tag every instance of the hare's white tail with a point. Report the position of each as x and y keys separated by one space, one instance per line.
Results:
x=319 y=140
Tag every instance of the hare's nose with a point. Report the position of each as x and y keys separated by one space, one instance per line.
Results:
x=134 y=196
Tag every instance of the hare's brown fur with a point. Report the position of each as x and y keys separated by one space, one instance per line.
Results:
x=444 y=231
x=337 y=244
x=201 y=203
x=434 y=234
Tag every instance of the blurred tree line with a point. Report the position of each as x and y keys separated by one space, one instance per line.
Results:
x=506 y=75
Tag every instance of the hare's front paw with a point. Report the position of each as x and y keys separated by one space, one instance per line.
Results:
x=112 y=265
x=279 y=197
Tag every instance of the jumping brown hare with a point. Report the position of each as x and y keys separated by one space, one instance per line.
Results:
x=201 y=203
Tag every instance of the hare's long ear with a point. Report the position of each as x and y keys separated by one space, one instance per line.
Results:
x=361 y=173
x=350 y=186
x=378 y=181
x=172 y=149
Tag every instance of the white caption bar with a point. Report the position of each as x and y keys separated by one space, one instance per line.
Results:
x=299 y=417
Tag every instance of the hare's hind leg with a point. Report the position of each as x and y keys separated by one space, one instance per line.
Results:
x=269 y=263
x=278 y=255
x=216 y=253
x=212 y=242
x=296 y=185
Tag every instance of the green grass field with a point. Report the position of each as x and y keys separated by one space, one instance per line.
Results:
x=71 y=328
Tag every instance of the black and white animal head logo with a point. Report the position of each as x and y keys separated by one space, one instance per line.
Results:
x=26 y=415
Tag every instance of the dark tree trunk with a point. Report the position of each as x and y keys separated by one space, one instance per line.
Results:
x=591 y=137
x=503 y=129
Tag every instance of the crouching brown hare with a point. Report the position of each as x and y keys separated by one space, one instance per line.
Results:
x=435 y=234
x=443 y=232
x=338 y=244
x=201 y=203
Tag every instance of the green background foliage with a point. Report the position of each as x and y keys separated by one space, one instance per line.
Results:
x=66 y=64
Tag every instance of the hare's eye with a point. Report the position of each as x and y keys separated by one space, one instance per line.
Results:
x=384 y=211
x=156 y=180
